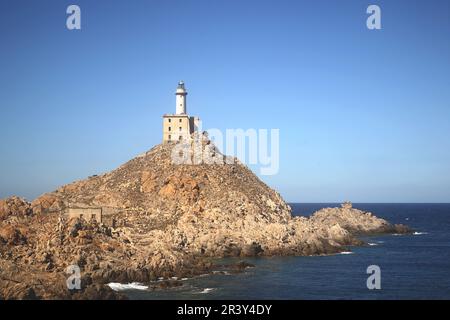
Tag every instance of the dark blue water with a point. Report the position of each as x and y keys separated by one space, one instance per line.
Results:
x=412 y=266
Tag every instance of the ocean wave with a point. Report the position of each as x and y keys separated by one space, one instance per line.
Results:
x=419 y=233
x=225 y=273
x=346 y=252
x=372 y=244
x=130 y=286
x=207 y=290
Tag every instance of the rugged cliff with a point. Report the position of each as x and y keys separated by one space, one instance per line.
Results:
x=165 y=220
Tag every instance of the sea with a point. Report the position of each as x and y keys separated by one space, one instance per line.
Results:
x=415 y=266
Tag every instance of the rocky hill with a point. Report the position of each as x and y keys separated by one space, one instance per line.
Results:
x=165 y=220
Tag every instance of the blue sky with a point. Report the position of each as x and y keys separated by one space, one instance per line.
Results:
x=363 y=115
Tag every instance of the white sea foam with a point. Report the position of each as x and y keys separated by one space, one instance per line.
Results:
x=225 y=273
x=346 y=252
x=419 y=233
x=372 y=244
x=130 y=286
x=207 y=290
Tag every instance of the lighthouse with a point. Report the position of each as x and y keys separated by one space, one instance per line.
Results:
x=181 y=94
x=179 y=126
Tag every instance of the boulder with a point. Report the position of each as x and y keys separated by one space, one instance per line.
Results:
x=14 y=206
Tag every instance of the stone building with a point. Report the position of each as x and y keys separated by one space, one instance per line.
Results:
x=104 y=214
x=87 y=214
x=179 y=126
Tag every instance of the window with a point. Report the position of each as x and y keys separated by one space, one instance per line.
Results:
x=180 y=137
x=181 y=129
x=170 y=129
x=170 y=137
x=170 y=120
x=181 y=120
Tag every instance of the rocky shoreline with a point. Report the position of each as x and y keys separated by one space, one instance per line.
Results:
x=32 y=265
x=168 y=221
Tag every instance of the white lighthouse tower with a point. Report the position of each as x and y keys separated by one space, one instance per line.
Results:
x=179 y=126
x=181 y=94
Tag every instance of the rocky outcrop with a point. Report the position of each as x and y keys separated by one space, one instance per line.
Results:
x=168 y=221
x=356 y=221
x=14 y=206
